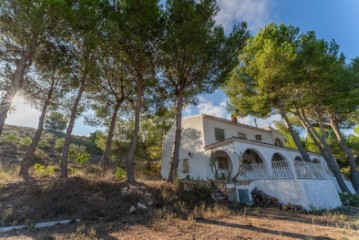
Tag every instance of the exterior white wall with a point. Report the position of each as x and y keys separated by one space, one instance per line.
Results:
x=167 y=146
x=228 y=149
x=191 y=148
x=231 y=130
x=275 y=134
x=347 y=182
x=350 y=186
x=198 y=132
x=285 y=190
x=310 y=194
x=320 y=194
x=266 y=153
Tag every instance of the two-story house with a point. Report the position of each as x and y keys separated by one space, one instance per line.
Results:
x=249 y=157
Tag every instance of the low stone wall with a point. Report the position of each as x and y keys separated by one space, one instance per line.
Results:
x=285 y=190
x=347 y=182
x=320 y=194
x=310 y=194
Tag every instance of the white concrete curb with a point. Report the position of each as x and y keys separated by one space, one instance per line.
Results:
x=38 y=225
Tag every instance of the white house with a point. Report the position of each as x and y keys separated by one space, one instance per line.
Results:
x=257 y=156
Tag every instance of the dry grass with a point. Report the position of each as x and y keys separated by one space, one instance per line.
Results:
x=176 y=213
x=9 y=173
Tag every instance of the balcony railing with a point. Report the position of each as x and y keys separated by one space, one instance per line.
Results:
x=306 y=170
x=281 y=169
x=254 y=171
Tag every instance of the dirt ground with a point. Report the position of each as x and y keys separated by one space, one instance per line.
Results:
x=103 y=210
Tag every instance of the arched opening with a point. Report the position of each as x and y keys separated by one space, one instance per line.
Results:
x=221 y=165
x=316 y=160
x=252 y=165
x=316 y=169
x=280 y=166
x=300 y=167
x=251 y=156
x=278 y=143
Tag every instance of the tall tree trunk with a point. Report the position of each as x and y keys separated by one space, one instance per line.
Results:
x=29 y=156
x=106 y=153
x=348 y=152
x=329 y=158
x=65 y=150
x=177 y=141
x=294 y=135
x=130 y=170
x=15 y=86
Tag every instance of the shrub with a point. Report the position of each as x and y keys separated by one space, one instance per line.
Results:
x=120 y=173
x=26 y=141
x=42 y=171
x=352 y=200
x=9 y=138
x=44 y=145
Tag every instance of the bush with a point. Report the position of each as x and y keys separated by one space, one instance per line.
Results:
x=9 y=138
x=352 y=200
x=120 y=173
x=42 y=171
x=26 y=141
x=44 y=145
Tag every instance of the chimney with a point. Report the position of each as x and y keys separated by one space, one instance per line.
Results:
x=234 y=118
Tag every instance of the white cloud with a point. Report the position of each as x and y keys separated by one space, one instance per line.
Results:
x=187 y=111
x=262 y=123
x=254 y=12
x=207 y=107
x=24 y=115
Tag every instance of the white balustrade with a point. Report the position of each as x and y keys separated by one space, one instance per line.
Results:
x=281 y=169
x=308 y=170
x=254 y=171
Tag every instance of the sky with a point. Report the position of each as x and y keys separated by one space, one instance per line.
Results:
x=330 y=19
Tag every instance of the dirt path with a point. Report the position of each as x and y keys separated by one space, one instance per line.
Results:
x=257 y=226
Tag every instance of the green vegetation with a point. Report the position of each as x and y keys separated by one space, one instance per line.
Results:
x=301 y=78
x=350 y=200
x=135 y=65
x=42 y=171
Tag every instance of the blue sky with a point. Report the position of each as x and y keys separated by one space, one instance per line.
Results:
x=330 y=19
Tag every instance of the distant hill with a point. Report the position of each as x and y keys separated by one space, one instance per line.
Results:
x=15 y=139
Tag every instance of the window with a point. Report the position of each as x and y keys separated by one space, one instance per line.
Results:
x=278 y=143
x=219 y=134
x=222 y=163
x=242 y=136
x=259 y=137
x=185 y=166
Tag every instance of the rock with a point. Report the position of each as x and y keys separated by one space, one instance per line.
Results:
x=140 y=205
x=143 y=187
x=124 y=190
x=148 y=194
x=149 y=202
x=132 y=209
x=263 y=200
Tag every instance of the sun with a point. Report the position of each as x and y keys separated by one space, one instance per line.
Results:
x=22 y=114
